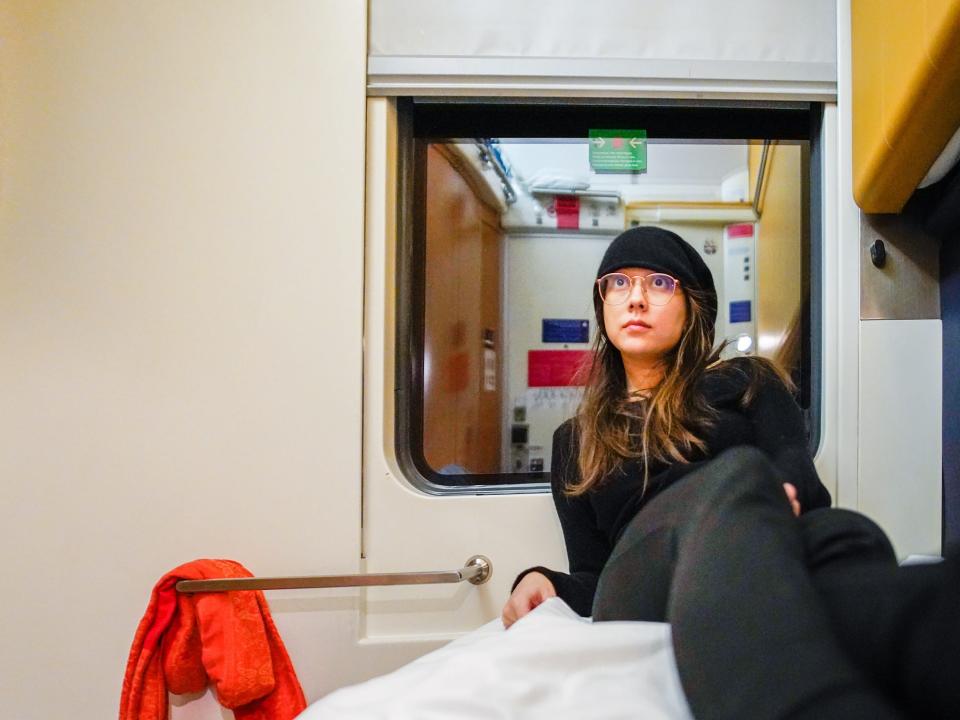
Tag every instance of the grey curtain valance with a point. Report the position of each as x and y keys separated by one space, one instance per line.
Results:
x=736 y=48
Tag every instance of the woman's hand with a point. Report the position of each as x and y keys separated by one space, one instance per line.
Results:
x=530 y=592
x=791 y=496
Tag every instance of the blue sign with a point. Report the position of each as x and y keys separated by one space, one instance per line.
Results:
x=740 y=311
x=565 y=331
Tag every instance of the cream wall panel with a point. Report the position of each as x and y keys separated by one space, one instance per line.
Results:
x=181 y=266
x=840 y=433
x=900 y=475
x=403 y=528
x=548 y=276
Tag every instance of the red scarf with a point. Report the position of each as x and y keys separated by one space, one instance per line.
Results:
x=187 y=641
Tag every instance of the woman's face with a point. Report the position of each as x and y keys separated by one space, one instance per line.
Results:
x=641 y=331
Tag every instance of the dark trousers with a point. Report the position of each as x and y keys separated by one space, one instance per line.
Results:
x=781 y=617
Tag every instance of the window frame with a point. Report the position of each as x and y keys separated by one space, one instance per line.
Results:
x=421 y=121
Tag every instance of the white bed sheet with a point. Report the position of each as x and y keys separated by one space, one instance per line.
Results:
x=551 y=664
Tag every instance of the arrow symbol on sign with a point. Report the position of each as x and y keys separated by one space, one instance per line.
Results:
x=599 y=142
x=634 y=142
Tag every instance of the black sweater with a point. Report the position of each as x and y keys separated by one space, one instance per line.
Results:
x=592 y=522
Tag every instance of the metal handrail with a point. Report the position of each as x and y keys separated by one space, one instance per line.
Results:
x=487 y=156
x=476 y=570
x=761 y=176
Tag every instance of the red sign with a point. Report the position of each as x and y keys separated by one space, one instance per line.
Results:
x=738 y=231
x=568 y=211
x=558 y=368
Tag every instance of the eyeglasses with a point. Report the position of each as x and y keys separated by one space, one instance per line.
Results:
x=658 y=288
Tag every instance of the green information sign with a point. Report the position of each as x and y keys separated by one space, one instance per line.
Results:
x=618 y=151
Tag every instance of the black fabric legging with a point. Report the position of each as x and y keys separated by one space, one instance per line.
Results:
x=781 y=617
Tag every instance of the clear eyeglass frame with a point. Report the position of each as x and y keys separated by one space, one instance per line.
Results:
x=655 y=296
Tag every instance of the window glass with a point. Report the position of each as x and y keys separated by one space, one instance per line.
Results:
x=508 y=233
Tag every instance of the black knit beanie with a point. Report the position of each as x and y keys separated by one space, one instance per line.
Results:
x=662 y=251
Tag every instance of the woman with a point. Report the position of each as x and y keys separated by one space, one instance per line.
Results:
x=686 y=494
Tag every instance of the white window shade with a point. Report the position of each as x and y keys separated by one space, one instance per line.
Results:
x=736 y=48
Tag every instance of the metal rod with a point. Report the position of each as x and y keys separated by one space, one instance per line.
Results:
x=760 y=178
x=476 y=571
x=487 y=155
x=615 y=194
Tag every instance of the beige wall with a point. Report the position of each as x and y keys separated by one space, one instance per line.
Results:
x=181 y=263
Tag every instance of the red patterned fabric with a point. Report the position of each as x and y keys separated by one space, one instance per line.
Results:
x=226 y=639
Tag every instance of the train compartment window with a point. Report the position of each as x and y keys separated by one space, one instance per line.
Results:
x=504 y=212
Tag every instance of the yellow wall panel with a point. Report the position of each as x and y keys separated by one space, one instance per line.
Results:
x=779 y=251
x=906 y=95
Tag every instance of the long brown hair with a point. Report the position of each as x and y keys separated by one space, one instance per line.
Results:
x=669 y=425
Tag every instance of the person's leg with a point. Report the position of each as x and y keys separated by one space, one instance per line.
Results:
x=898 y=624
x=721 y=558
x=928 y=630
